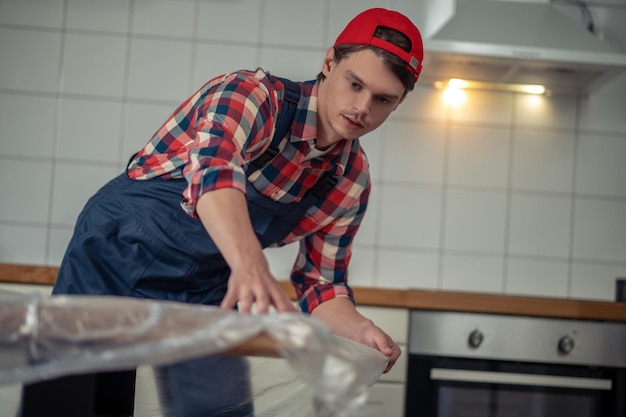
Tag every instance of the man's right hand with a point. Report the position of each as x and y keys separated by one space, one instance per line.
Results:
x=224 y=215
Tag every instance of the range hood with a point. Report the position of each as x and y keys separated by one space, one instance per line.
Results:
x=505 y=42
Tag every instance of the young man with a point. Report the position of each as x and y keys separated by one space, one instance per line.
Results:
x=189 y=218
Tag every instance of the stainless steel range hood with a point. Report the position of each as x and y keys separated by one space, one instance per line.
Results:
x=524 y=43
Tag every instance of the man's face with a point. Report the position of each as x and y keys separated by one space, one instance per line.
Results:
x=357 y=96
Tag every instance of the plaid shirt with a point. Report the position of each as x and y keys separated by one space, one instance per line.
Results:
x=230 y=121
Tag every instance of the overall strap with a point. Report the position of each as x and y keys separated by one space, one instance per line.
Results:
x=285 y=118
x=323 y=186
x=283 y=125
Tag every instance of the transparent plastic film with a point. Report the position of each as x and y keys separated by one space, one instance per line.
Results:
x=298 y=367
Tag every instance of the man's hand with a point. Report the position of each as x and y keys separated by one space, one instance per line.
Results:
x=344 y=320
x=224 y=215
x=251 y=283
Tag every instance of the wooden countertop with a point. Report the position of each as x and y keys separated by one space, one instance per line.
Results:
x=410 y=299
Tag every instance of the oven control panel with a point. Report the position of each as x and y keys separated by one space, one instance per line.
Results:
x=566 y=345
x=518 y=338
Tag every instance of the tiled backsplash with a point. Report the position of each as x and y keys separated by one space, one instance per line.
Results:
x=505 y=194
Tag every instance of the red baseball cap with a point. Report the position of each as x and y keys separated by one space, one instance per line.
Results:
x=361 y=29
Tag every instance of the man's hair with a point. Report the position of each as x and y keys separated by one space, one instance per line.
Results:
x=395 y=64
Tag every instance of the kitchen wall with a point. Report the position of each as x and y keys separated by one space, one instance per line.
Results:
x=505 y=194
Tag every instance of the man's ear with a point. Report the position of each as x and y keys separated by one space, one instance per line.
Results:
x=329 y=61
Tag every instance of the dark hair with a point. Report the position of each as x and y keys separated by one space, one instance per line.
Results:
x=394 y=63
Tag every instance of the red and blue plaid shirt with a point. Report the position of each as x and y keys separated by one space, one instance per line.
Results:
x=230 y=121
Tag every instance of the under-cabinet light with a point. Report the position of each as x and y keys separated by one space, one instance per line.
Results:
x=458 y=83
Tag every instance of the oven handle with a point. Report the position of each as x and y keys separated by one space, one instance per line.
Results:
x=464 y=375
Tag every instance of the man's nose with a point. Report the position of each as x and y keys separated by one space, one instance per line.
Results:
x=362 y=103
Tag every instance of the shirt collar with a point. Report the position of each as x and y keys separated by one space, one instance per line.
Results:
x=304 y=127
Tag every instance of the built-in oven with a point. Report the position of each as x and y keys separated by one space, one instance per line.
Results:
x=486 y=365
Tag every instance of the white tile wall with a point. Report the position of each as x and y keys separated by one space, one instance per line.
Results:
x=419 y=159
x=543 y=160
x=25 y=188
x=479 y=156
x=41 y=13
x=94 y=15
x=422 y=104
x=536 y=277
x=160 y=69
x=410 y=216
x=472 y=273
x=164 y=18
x=475 y=221
x=24 y=119
x=89 y=130
x=228 y=22
x=94 y=64
x=231 y=57
x=504 y=194
x=407 y=269
x=485 y=107
x=603 y=113
x=30 y=60
x=540 y=225
x=297 y=64
x=22 y=243
x=600 y=230
x=558 y=112
x=281 y=18
x=601 y=168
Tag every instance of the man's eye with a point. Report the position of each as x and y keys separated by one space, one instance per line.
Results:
x=355 y=85
x=383 y=99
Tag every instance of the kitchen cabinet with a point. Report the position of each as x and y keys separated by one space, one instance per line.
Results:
x=387 y=395
x=9 y=400
x=386 y=399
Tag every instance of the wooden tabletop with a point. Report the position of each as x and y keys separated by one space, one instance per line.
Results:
x=410 y=299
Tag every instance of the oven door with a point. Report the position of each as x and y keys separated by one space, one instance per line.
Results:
x=454 y=387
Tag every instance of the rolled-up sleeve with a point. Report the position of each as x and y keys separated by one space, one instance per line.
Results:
x=239 y=114
x=320 y=272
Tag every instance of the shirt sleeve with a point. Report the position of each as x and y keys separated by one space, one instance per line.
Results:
x=320 y=272
x=236 y=116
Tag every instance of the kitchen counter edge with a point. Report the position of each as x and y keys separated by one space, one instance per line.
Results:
x=408 y=299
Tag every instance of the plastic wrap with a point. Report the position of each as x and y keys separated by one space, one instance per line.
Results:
x=47 y=337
